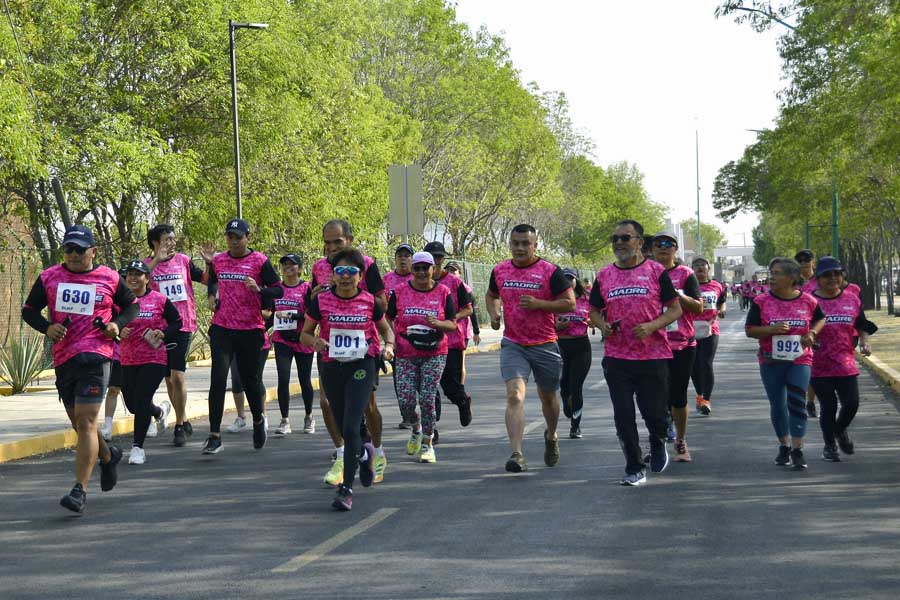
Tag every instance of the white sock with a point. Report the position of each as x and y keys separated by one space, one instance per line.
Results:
x=379 y=451
x=365 y=456
x=107 y=422
x=340 y=452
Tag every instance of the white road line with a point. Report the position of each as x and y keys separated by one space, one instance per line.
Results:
x=314 y=554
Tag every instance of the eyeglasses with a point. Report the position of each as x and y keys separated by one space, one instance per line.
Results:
x=775 y=274
x=664 y=244
x=832 y=274
x=70 y=248
x=421 y=267
x=346 y=270
x=626 y=237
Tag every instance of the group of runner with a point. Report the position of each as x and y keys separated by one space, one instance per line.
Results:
x=658 y=319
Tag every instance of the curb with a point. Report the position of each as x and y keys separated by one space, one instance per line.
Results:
x=196 y=409
x=890 y=376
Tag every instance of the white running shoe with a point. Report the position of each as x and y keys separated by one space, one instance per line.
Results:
x=162 y=423
x=151 y=430
x=283 y=428
x=309 y=424
x=239 y=424
x=137 y=456
x=106 y=432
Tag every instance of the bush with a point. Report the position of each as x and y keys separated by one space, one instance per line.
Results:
x=22 y=362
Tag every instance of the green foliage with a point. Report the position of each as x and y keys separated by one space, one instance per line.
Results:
x=22 y=361
x=710 y=236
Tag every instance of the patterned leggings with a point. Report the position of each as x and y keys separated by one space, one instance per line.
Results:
x=417 y=380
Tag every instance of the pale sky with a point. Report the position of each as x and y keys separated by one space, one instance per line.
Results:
x=641 y=76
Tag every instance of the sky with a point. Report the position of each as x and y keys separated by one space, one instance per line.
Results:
x=641 y=77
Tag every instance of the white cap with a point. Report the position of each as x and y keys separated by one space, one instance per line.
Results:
x=423 y=257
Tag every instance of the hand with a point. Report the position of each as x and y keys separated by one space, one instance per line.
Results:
x=126 y=331
x=252 y=285
x=779 y=328
x=808 y=340
x=56 y=332
x=476 y=339
x=317 y=290
x=282 y=314
x=529 y=302
x=721 y=314
x=207 y=252
x=431 y=320
x=320 y=345
x=164 y=252
x=388 y=352
x=495 y=323
x=157 y=335
x=643 y=330
x=111 y=330
x=211 y=302
x=865 y=349
x=562 y=324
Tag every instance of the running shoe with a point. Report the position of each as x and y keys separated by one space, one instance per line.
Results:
x=366 y=465
x=162 y=422
x=414 y=444
x=74 y=500
x=284 y=428
x=106 y=432
x=344 y=498
x=699 y=402
x=239 y=424
x=634 y=479
x=213 y=445
x=659 y=458
x=705 y=408
x=682 y=454
x=784 y=456
x=309 y=424
x=151 y=429
x=670 y=432
x=109 y=476
x=551 y=450
x=797 y=460
x=811 y=410
x=380 y=466
x=188 y=428
x=136 y=456
x=427 y=455
x=260 y=433
x=335 y=475
x=845 y=443
x=516 y=463
x=830 y=453
x=465 y=412
x=404 y=425
x=575 y=432
x=179 y=439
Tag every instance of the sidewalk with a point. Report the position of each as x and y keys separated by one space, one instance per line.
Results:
x=36 y=422
x=885 y=359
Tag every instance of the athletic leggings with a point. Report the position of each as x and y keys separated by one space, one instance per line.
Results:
x=416 y=378
x=703 y=376
x=451 y=381
x=680 y=366
x=244 y=346
x=237 y=387
x=786 y=385
x=828 y=390
x=347 y=387
x=576 y=362
x=284 y=356
x=139 y=383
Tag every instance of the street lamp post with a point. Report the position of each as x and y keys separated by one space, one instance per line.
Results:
x=697 y=164
x=234 y=108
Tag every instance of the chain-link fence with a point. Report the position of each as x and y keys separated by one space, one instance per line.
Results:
x=18 y=270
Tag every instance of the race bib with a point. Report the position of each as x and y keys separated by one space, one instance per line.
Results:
x=174 y=290
x=75 y=298
x=284 y=320
x=709 y=301
x=673 y=326
x=786 y=347
x=345 y=345
x=702 y=329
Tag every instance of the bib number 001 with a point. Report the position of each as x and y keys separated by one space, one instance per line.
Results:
x=347 y=344
x=786 y=347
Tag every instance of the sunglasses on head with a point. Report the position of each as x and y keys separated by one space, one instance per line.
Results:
x=625 y=237
x=76 y=249
x=346 y=270
x=664 y=244
x=421 y=267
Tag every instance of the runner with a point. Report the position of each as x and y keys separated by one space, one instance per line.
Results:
x=238 y=394
x=530 y=290
x=735 y=291
x=706 y=332
x=420 y=313
x=245 y=277
x=807 y=261
x=575 y=349
x=401 y=275
x=174 y=275
x=114 y=388
x=289 y=314
x=632 y=302
x=337 y=235
x=350 y=321
x=473 y=329
x=79 y=298
x=681 y=338
x=786 y=322
x=144 y=357
x=746 y=294
x=834 y=370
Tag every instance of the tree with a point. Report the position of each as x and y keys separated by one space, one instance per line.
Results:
x=711 y=236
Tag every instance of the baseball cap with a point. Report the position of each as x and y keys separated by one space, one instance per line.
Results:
x=79 y=235
x=452 y=265
x=422 y=257
x=805 y=256
x=826 y=264
x=570 y=273
x=406 y=247
x=138 y=265
x=666 y=234
x=238 y=226
x=435 y=249
x=291 y=258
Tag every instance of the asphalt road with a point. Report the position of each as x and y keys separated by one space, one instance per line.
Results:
x=258 y=524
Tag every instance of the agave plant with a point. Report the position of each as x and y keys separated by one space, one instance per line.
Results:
x=22 y=361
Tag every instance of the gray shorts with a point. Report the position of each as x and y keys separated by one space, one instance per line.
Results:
x=517 y=362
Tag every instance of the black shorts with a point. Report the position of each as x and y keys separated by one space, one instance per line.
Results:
x=116 y=376
x=83 y=379
x=177 y=356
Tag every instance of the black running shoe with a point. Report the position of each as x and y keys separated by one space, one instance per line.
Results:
x=109 y=476
x=845 y=443
x=188 y=428
x=830 y=453
x=784 y=456
x=797 y=460
x=575 y=432
x=74 y=500
x=344 y=498
x=179 y=439
x=367 y=467
x=260 y=433
x=465 y=412
x=516 y=463
x=213 y=445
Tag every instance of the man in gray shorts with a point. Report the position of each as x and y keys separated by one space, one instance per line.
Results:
x=530 y=290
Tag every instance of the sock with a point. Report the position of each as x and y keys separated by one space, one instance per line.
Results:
x=107 y=422
x=340 y=452
x=157 y=412
x=379 y=451
x=364 y=456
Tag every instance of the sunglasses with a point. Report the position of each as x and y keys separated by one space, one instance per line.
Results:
x=76 y=249
x=664 y=244
x=622 y=238
x=832 y=274
x=421 y=267
x=345 y=270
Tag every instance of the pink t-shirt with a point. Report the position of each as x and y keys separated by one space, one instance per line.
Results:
x=798 y=313
x=681 y=332
x=835 y=355
x=411 y=308
x=172 y=278
x=135 y=349
x=294 y=299
x=358 y=313
x=81 y=297
x=392 y=281
x=711 y=292
x=457 y=340
x=239 y=308
x=578 y=319
x=541 y=279
x=630 y=297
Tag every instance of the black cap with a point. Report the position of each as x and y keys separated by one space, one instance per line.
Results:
x=406 y=247
x=291 y=258
x=238 y=226
x=804 y=256
x=123 y=271
x=452 y=265
x=138 y=265
x=435 y=249
x=572 y=273
x=827 y=264
x=79 y=235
